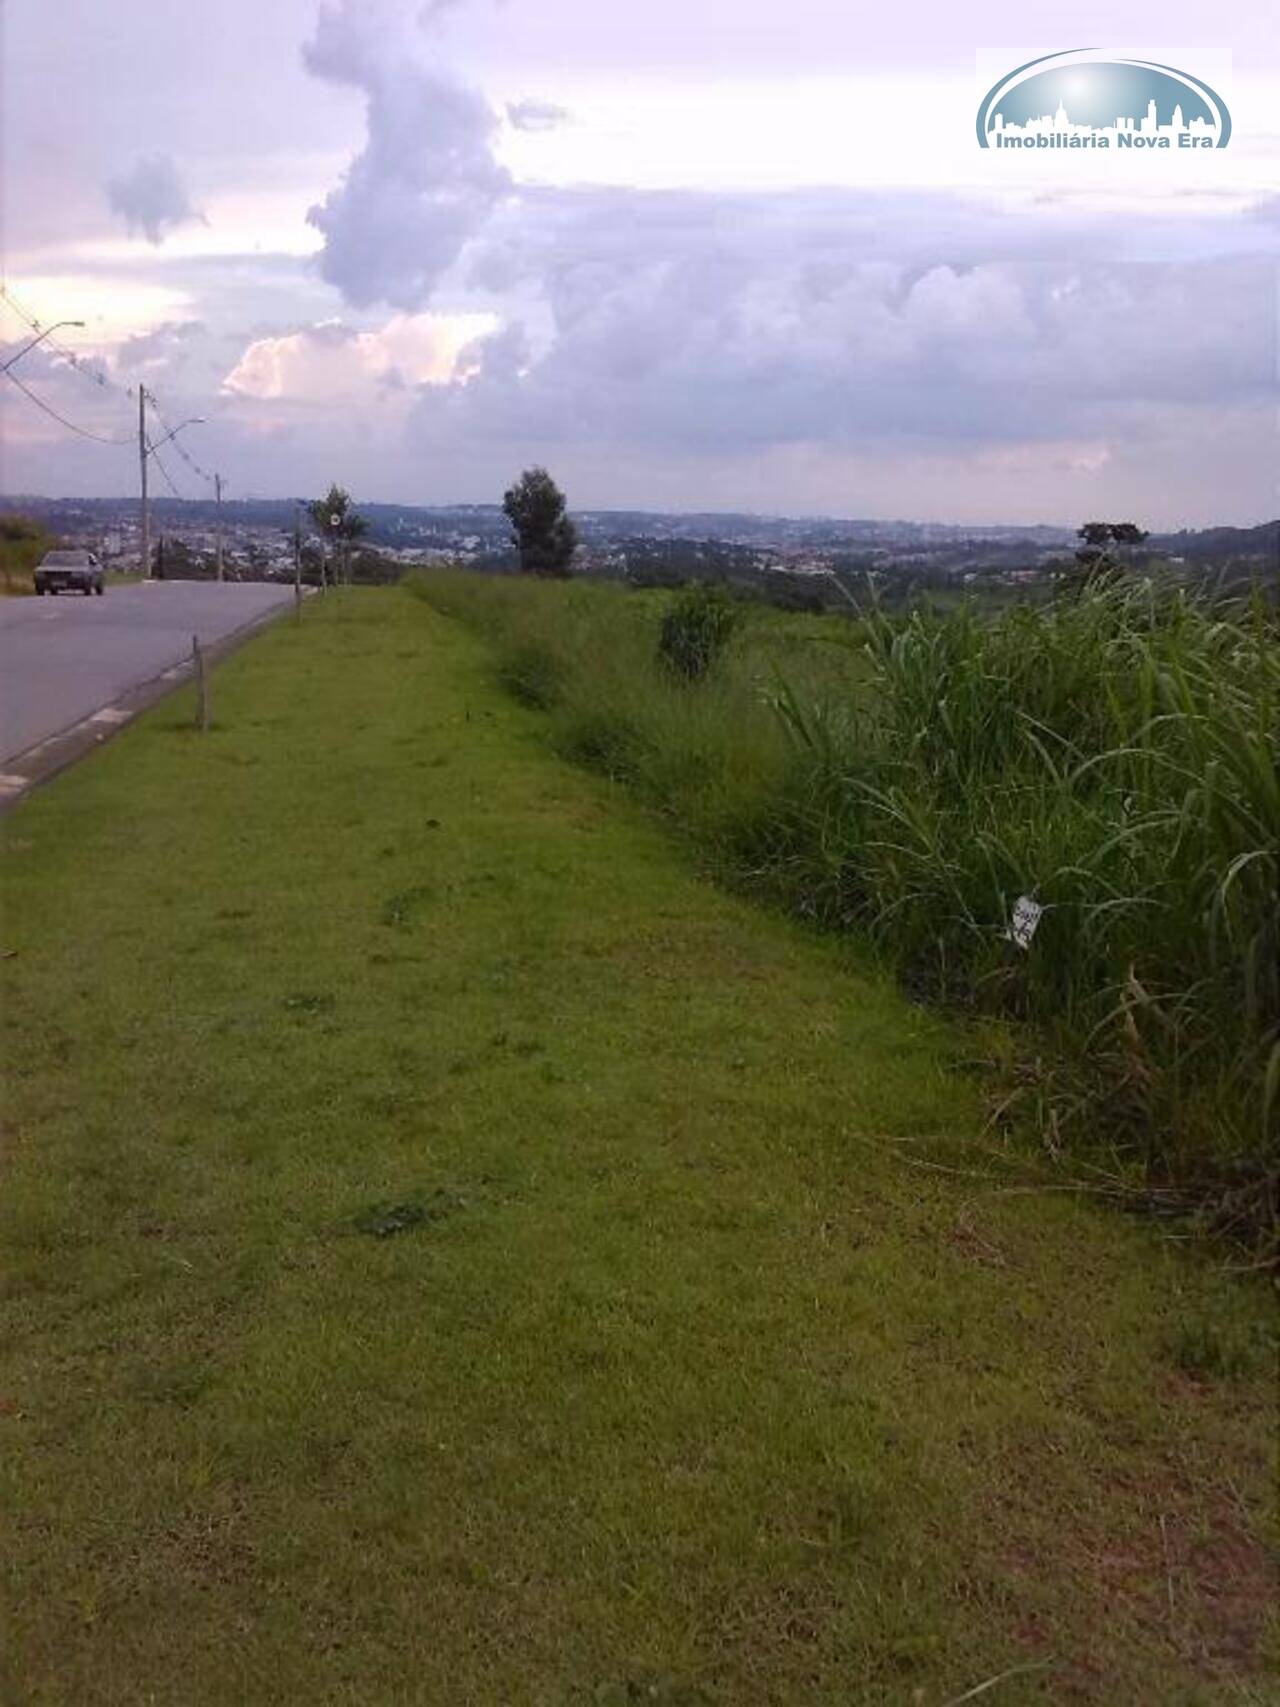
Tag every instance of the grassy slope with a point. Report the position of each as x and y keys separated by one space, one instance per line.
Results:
x=688 y=1379
x=1115 y=755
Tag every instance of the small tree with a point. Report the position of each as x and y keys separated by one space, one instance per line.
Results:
x=544 y=533
x=337 y=518
x=1105 y=547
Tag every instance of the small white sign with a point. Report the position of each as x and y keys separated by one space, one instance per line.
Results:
x=1026 y=916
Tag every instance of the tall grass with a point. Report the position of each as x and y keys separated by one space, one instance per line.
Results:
x=1114 y=756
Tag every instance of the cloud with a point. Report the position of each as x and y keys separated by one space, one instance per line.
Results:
x=333 y=362
x=426 y=179
x=713 y=326
x=164 y=346
x=152 y=199
x=717 y=328
x=537 y=115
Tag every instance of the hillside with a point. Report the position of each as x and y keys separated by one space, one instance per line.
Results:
x=455 y=1253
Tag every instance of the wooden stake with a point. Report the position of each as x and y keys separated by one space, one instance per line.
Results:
x=202 y=686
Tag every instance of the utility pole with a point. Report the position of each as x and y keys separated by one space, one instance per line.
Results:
x=143 y=453
x=217 y=487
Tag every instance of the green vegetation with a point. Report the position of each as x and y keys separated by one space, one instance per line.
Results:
x=544 y=532
x=23 y=542
x=453 y=1253
x=339 y=525
x=1113 y=756
x=696 y=627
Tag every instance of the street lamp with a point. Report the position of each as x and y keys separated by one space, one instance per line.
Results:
x=38 y=339
x=191 y=421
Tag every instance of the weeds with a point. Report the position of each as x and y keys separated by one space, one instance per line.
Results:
x=1114 y=756
x=696 y=628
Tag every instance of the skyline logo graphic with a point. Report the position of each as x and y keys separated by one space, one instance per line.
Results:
x=1084 y=99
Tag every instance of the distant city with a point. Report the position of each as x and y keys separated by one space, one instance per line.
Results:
x=815 y=562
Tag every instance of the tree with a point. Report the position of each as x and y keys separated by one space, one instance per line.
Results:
x=337 y=518
x=1127 y=537
x=1096 y=558
x=545 y=535
x=175 y=561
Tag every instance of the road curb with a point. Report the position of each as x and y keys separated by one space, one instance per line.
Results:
x=35 y=765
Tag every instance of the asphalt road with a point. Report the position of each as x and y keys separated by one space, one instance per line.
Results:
x=63 y=658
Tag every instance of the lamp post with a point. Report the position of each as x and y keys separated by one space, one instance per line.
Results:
x=38 y=339
x=191 y=421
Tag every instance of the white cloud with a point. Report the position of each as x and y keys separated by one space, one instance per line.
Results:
x=332 y=362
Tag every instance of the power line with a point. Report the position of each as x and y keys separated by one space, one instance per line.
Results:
x=71 y=357
x=75 y=361
x=61 y=419
x=102 y=381
x=191 y=462
x=142 y=396
x=181 y=449
x=168 y=478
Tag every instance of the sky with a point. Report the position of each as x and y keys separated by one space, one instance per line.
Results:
x=700 y=254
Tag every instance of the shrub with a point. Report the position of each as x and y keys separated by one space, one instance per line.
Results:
x=23 y=542
x=696 y=630
x=604 y=739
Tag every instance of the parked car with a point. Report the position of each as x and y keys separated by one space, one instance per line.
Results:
x=78 y=571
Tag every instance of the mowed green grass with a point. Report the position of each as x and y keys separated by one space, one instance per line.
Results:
x=719 y=1364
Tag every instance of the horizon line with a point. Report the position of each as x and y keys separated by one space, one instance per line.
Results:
x=610 y=509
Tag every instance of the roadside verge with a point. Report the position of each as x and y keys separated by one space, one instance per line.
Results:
x=36 y=764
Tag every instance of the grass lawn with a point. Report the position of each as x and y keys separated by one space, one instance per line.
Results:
x=449 y=1252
